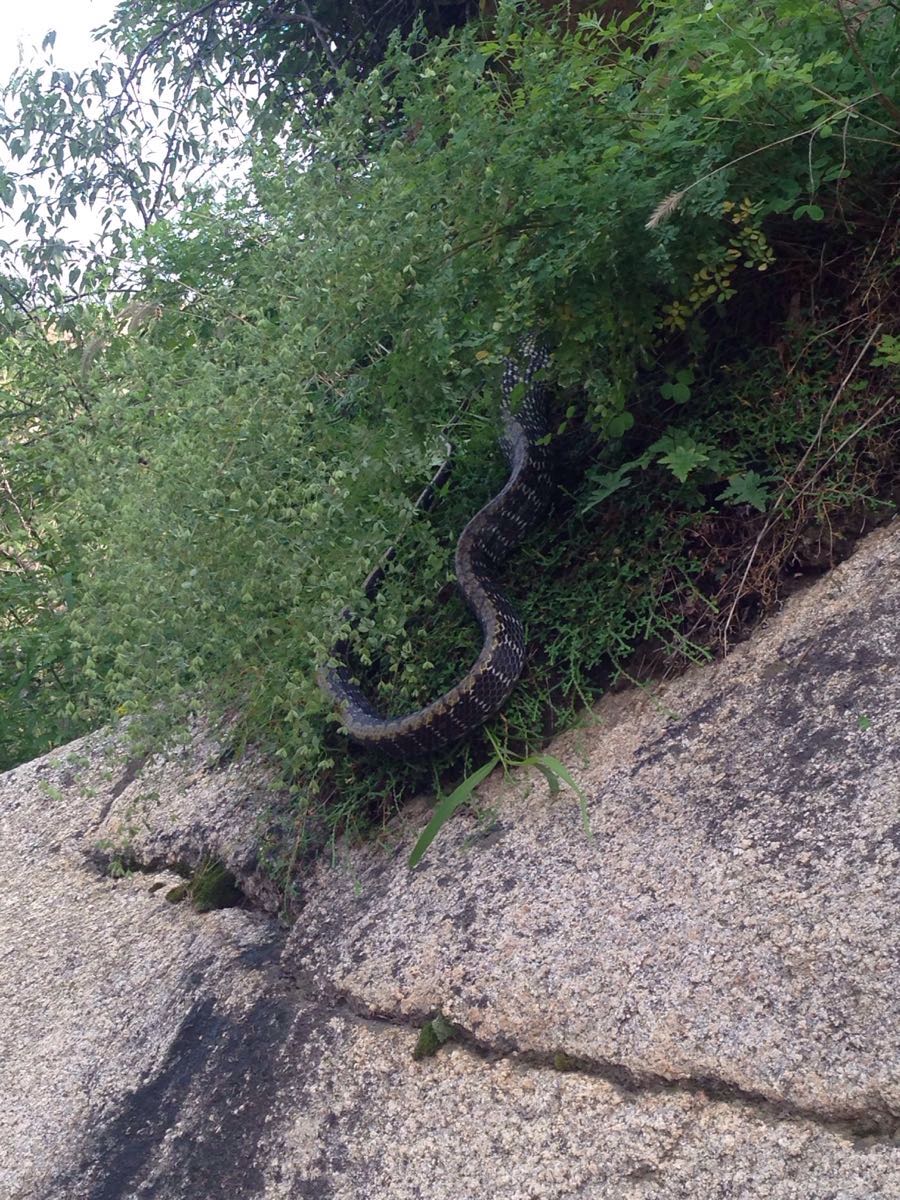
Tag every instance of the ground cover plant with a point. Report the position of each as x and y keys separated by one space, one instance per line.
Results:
x=214 y=429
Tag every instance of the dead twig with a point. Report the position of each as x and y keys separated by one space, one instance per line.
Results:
x=771 y=519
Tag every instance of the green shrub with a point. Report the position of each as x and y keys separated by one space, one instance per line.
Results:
x=248 y=433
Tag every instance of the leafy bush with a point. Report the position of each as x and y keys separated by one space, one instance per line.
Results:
x=215 y=462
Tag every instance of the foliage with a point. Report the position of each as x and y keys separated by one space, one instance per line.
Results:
x=94 y=142
x=202 y=467
x=297 y=52
x=888 y=352
x=211 y=886
x=433 y=1034
x=551 y=768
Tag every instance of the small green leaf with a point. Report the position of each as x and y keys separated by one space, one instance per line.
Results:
x=443 y=1030
x=863 y=722
x=607 y=484
x=551 y=777
x=813 y=211
x=618 y=424
x=432 y=1036
x=682 y=459
x=678 y=389
x=548 y=763
x=887 y=352
x=748 y=488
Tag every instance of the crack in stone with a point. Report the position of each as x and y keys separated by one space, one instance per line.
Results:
x=231 y=892
x=131 y=770
x=878 y=1123
x=875 y=1123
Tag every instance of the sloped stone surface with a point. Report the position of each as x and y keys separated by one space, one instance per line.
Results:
x=715 y=968
x=112 y=998
x=371 y=1123
x=732 y=919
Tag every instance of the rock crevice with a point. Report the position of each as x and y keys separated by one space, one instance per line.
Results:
x=875 y=1122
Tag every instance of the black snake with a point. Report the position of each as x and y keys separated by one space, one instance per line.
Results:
x=483 y=544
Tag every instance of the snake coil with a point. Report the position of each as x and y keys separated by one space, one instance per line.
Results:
x=484 y=543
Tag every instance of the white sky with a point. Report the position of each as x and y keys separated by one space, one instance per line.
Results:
x=23 y=24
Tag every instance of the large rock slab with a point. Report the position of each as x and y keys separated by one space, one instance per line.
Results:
x=113 y=1001
x=700 y=1000
x=732 y=920
x=370 y=1123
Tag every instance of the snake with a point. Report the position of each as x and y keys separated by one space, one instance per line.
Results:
x=484 y=544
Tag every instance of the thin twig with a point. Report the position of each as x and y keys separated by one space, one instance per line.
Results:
x=818 y=337
x=770 y=520
x=849 y=438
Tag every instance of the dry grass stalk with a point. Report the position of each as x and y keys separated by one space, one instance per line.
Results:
x=664 y=209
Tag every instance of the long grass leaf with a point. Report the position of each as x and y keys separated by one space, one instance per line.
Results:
x=546 y=762
x=447 y=807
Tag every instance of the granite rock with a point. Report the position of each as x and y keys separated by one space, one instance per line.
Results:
x=732 y=917
x=700 y=999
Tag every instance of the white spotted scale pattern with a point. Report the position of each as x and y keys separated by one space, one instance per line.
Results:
x=487 y=539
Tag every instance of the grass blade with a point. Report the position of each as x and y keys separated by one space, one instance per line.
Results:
x=447 y=807
x=547 y=763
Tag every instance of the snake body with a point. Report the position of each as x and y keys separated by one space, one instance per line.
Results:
x=486 y=540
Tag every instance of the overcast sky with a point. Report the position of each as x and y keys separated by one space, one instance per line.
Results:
x=23 y=24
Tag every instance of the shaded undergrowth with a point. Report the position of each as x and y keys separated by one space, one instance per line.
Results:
x=659 y=573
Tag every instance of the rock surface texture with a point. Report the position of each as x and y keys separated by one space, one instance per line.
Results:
x=701 y=999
